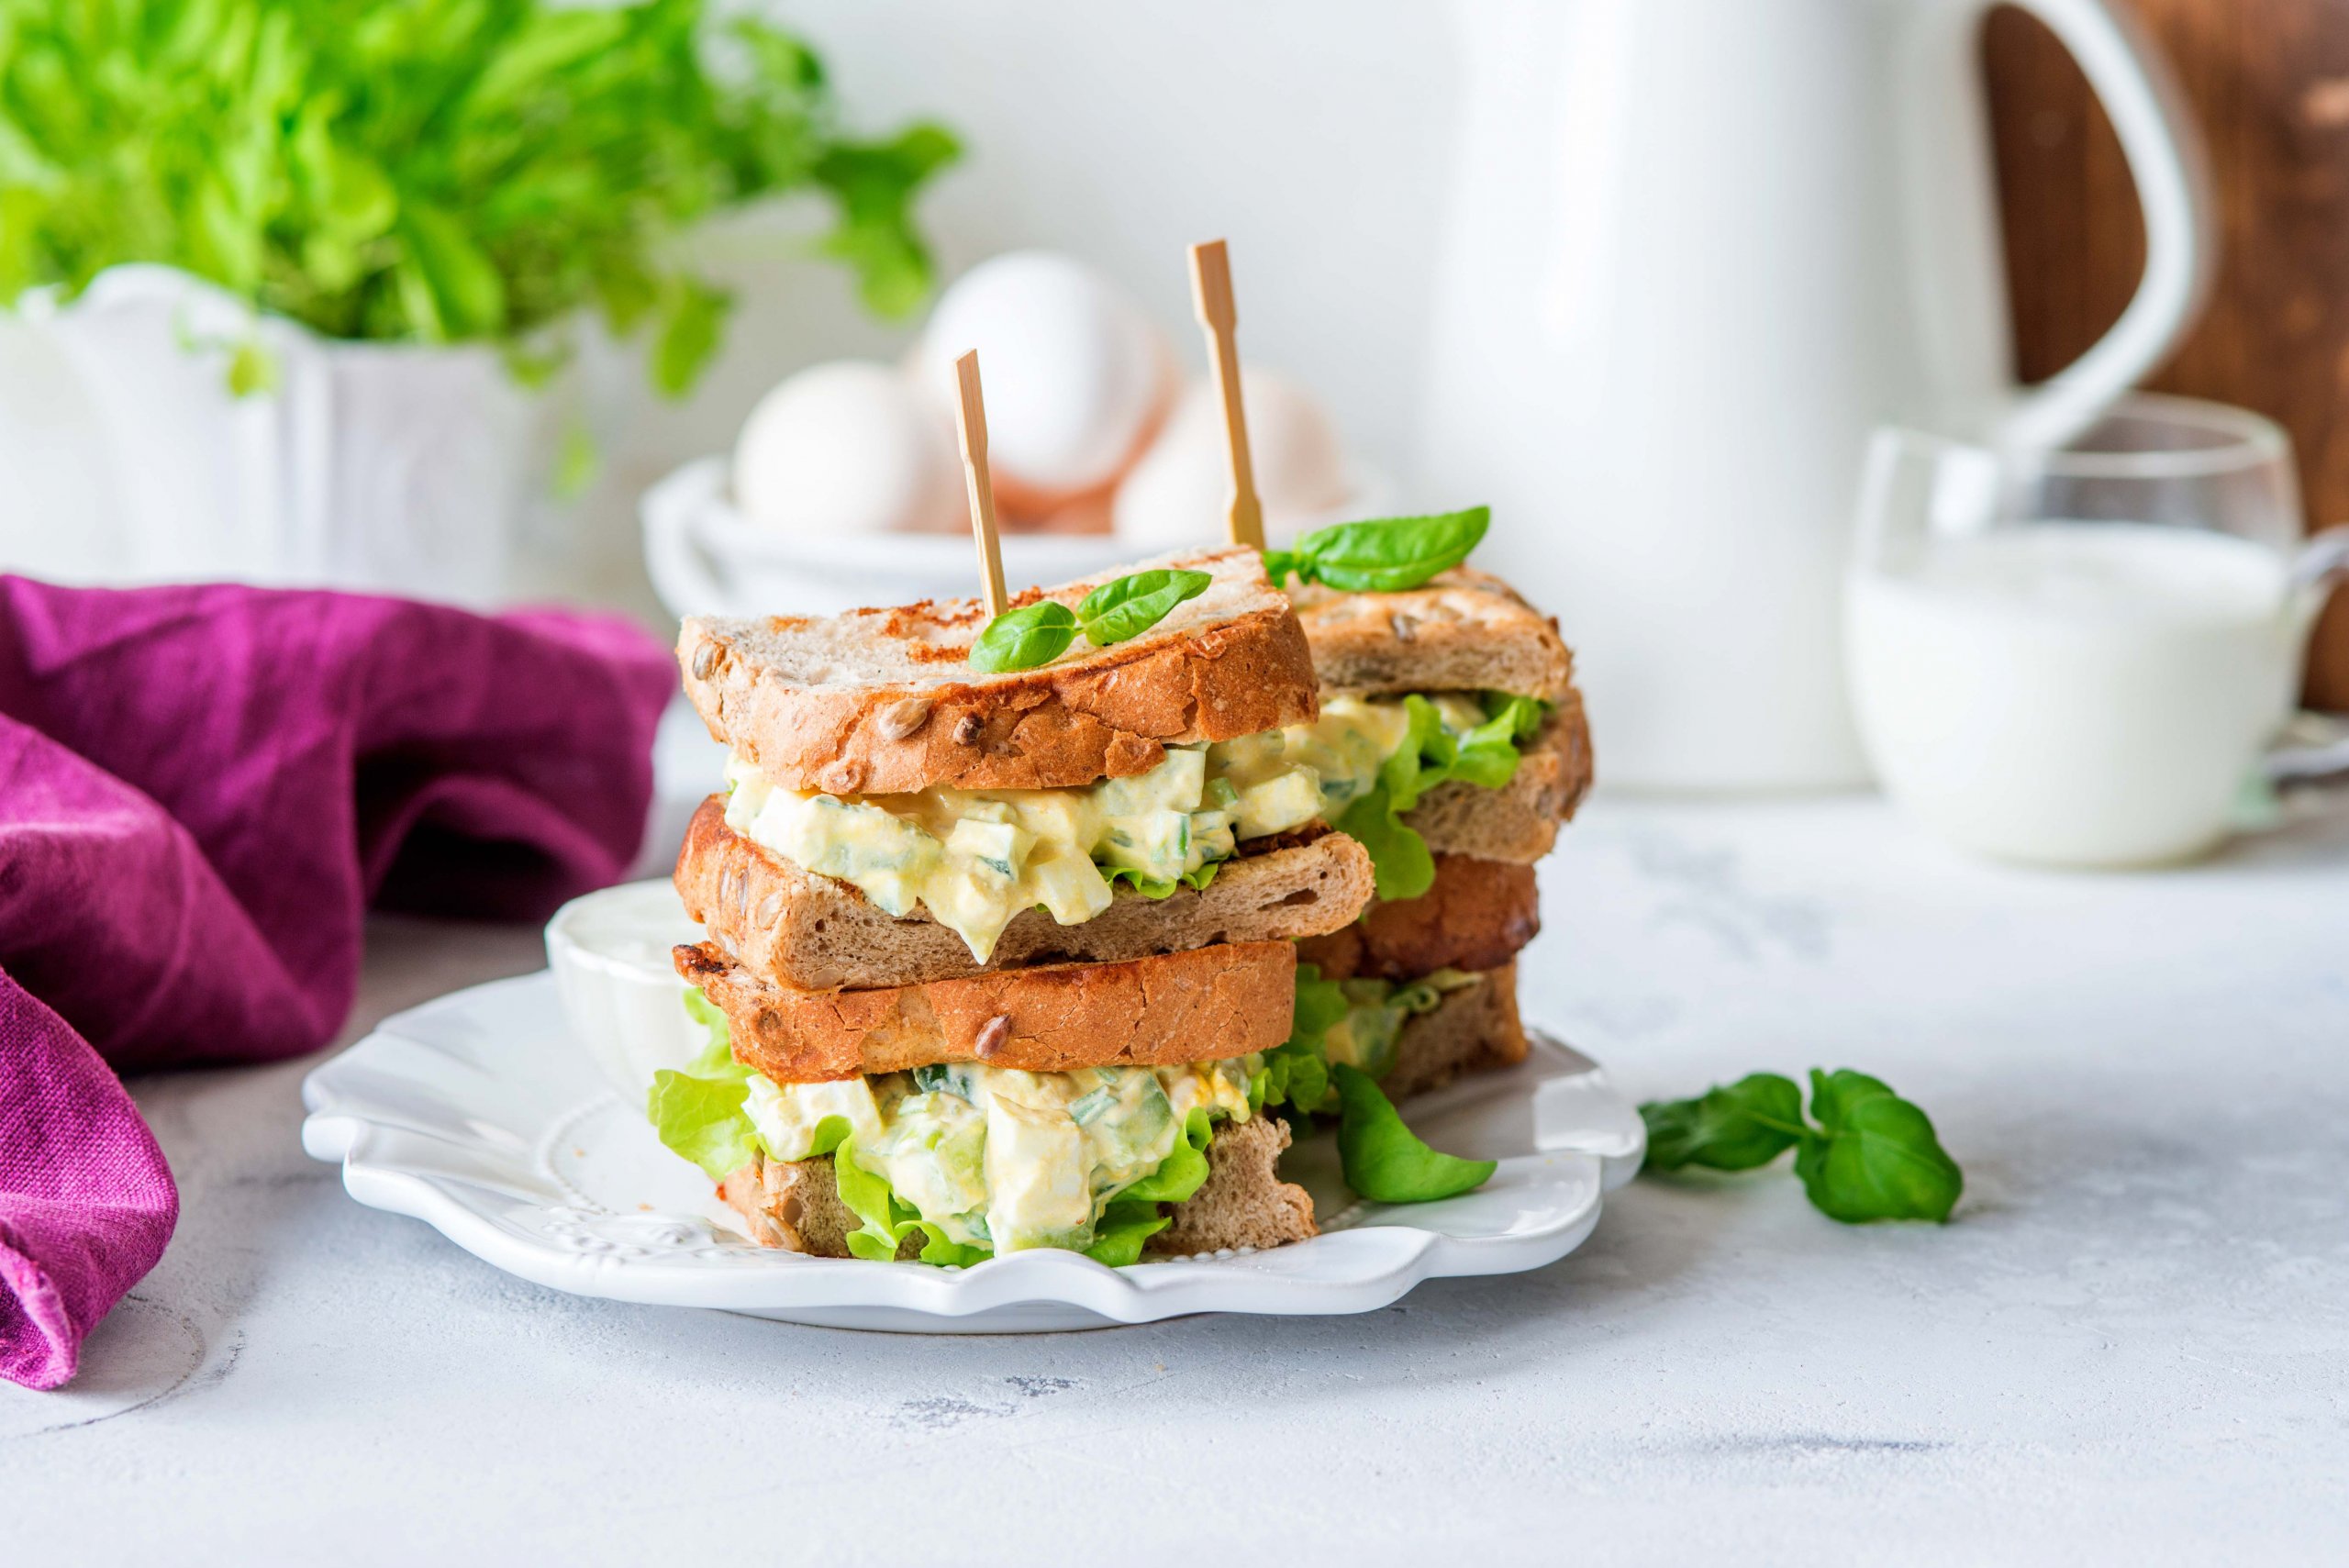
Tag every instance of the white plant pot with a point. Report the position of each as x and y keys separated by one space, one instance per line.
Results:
x=379 y=467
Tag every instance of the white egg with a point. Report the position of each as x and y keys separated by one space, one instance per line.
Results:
x=850 y=447
x=1180 y=492
x=1075 y=375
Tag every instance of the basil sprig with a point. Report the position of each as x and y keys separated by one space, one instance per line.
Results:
x=1385 y=1160
x=1864 y=1154
x=1115 y=612
x=1023 y=638
x=1386 y=555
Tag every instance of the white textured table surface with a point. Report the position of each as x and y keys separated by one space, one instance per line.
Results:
x=2134 y=1346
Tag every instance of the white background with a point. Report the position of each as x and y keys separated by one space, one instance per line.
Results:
x=1313 y=134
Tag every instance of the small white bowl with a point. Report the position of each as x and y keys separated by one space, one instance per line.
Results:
x=609 y=951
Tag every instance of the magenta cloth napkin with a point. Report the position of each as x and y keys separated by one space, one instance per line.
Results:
x=201 y=789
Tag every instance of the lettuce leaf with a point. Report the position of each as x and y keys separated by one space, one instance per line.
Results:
x=1296 y=1073
x=1180 y=1174
x=1117 y=1239
x=1385 y=1160
x=1159 y=887
x=1486 y=756
x=888 y=1218
x=698 y=1112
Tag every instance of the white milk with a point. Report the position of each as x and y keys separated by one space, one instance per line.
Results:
x=2079 y=693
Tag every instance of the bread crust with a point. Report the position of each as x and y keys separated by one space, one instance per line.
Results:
x=796 y=696
x=1519 y=820
x=791 y=925
x=1200 y=1005
x=1243 y=1202
x=796 y=1207
x=1478 y=915
x=1471 y=1029
x=1466 y=630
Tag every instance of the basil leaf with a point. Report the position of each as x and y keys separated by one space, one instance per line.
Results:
x=1385 y=1160
x=1731 y=1127
x=1390 y=554
x=1280 y=565
x=1875 y=1156
x=1025 y=638
x=1130 y=606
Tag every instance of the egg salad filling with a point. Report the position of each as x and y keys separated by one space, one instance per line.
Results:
x=977 y=1160
x=974 y=859
x=999 y=1158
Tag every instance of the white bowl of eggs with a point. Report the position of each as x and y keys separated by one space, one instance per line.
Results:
x=845 y=487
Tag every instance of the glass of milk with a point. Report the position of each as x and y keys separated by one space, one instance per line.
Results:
x=2080 y=657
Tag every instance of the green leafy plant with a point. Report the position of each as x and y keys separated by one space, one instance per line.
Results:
x=1385 y=555
x=1864 y=1154
x=1486 y=756
x=433 y=171
x=1118 y=611
x=1385 y=1160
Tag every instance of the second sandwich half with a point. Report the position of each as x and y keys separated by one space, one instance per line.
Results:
x=995 y=961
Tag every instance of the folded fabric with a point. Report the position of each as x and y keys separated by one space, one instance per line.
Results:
x=201 y=791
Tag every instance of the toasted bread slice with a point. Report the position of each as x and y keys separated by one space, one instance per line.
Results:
x=1200 y=1005
x=1242 y=1202
x=791 y=925
x=1465 y=631
x=1476 y=915
x=1519 y=821
x=885 y=701
x=1474 y=1028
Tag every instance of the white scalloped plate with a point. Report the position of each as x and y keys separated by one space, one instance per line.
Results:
x=479 y=1115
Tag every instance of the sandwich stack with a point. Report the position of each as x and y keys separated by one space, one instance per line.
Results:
x=1465 y=693
x=1004 y=961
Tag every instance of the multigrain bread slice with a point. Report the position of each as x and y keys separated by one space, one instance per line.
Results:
x=1243 y=1202
x=1475 y=1027
x=1465 y=631
x=1201 y=1006
x=791 y=925
x=1519 y=820
x=1478 y=915
x=797 y=1206
x=885 y=701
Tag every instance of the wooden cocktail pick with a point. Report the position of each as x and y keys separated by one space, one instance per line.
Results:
x=1211 y=292
x=971 y=420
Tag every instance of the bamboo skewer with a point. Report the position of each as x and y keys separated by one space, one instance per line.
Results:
x=971 y=423
x=1211 y=294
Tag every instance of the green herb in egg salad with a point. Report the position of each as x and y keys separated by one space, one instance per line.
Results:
x=974 y=1160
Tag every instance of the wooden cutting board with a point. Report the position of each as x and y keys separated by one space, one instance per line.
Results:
x=2269 y=80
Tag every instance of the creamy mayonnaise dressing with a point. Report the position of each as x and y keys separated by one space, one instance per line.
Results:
x=976 y=858
x=1001 y=1158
